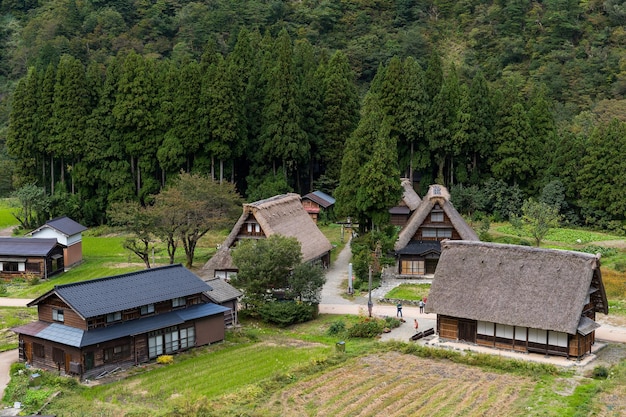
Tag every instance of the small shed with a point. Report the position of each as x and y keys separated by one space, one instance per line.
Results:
x=399 y=215
x=226 y=295
x=40 y=257
x=67 y=232
x=316 y=202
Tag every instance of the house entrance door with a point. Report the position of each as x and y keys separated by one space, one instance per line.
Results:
x=88 y=360
x=467 y=330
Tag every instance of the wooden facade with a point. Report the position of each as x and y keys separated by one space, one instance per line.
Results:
x=67 y=340
x=518 y=298
x=521 y=339
x=435 y=219
x=42 y=266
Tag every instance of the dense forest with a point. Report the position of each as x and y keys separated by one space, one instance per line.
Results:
x=498 y=100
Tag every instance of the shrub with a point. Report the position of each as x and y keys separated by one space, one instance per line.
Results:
x=605 y=252
x=336 y=328
x=165 y=359
x=3 y=290
x=285 y=313
x=600 y=372
x=366 y=328
x=392 y=322
x=620 y=266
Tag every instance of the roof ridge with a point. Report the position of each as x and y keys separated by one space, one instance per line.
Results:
x=142 y=271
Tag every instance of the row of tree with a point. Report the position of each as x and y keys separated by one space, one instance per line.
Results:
x=274 y=117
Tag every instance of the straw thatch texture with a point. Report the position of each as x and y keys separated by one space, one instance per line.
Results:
x=436 y=194
x=513 y=285
x=409 y=196
x=282 y=215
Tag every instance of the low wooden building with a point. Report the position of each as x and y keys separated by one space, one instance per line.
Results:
x=317 y=202
x=418 y=246
x=68 y=233
x=226 y=295
x=282 y=215
x=90 y=327
x=517 y=297
x=20 y=257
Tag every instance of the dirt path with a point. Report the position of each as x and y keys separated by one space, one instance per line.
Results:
x=7 y=231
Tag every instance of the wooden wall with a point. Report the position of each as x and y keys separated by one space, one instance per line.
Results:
x=448 y=327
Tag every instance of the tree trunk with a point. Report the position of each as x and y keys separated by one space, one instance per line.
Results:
x=51 y=174
x=63 y=171
x=221 y=170
x=212 y=167
x=411 y=166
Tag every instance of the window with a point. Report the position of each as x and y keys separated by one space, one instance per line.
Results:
x=10 y=266
x=117 y=353
x=170 y=340
x=187 y=338
x=484 y=327
x=38 y=350
x=147 y=309
x=179 y=302
x=436 y=216
x=249 y=225
x=57 y=315
x=33 y=267
x=430 y=232
x=112 y=317
x=412 y=267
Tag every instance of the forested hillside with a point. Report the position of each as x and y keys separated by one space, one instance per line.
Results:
x=498 y=100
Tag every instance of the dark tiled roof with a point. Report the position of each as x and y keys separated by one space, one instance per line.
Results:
x=420 y=248
x=107 y=295
x=320 y=198
x=222 y=291
x=22 y=246
x=64 y=225
x=71 y=336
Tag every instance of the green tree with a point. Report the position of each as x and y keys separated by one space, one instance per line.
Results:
x=33 y=206
x=202 y=205
x=538 y=218
x=601 y=180
x=341 y=112
x=137 y=220
x=264 y=265
x=283 y=139
x=305 y=283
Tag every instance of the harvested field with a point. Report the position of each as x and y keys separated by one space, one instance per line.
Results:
x=394 y=384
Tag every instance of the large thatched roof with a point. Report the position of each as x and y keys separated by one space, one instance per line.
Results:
x=437 y=194
x=282 y=215
x=516 y=285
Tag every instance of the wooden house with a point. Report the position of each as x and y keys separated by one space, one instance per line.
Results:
x=282 y=215
x=20 y=256
x=400 y=214
x=226 y=295
x=90 y=327
x=67 y=232
x=418 y=246
x=316 y=202
x=517 y=297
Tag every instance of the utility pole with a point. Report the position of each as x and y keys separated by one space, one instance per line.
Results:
x=370 y=305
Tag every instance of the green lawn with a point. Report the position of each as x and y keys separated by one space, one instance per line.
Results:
x=6 y=217
x=12 y=317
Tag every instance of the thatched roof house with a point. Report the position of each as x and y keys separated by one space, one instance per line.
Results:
x=518 y=297
x=282 y=215
x=400 y=214
x=434 y=219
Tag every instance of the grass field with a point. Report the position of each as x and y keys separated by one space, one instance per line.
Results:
x=265 y=371
x=6 y=213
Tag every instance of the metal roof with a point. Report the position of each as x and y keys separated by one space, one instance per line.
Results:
x=421 y=248
x=107 y=295
x=222 y=291
x=72 y=336
x=22 y=246
x=64 y=225
x=320 y=198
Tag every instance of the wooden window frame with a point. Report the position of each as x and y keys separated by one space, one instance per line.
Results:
x=58 y=315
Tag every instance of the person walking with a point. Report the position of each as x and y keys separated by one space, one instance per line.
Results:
x=415 y=325
x=399 y=312
x=421 y=304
